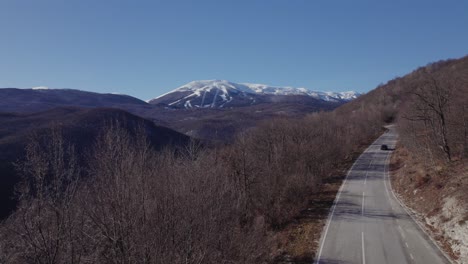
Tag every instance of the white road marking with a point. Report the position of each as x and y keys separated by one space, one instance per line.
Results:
x=411 y=256
x=401 y=232
x=363 y=199
x=367 y=172
x=386 y=176
x=363 y=249
x=406 y=244
x=330 y=215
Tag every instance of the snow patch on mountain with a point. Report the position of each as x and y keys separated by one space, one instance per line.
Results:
x=40 y=88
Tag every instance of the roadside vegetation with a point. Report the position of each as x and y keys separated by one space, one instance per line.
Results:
x=430 y=168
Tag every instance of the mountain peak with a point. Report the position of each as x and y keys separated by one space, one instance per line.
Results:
x=221 y=93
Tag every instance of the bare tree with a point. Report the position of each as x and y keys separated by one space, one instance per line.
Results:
x=47 y=224
x=431 y=107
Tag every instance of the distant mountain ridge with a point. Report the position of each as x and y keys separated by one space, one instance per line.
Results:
x=222 y=93
x=228 y=108
x=42 y=98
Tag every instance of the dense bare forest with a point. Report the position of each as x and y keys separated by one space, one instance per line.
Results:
x=132 y=204
x=430 y=107
x=435 y=122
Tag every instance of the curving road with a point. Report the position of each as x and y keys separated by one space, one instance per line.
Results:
x=367 y=224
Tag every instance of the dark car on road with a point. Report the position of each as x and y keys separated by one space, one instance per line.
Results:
x=384 y=147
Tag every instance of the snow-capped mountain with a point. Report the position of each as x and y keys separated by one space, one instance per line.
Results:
x=221 y=93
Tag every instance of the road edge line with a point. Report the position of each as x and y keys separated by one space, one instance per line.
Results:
x=323 y=236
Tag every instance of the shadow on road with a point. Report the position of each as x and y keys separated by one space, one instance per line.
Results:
x=382 y=214
x=348 y=211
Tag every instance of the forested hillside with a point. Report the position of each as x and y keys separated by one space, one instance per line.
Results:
x=431 y=165
x=78 y=127
x=132 y=203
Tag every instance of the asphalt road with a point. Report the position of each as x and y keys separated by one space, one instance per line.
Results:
x=367 y=224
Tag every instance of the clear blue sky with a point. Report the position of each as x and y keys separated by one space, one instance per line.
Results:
x=146 y=48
